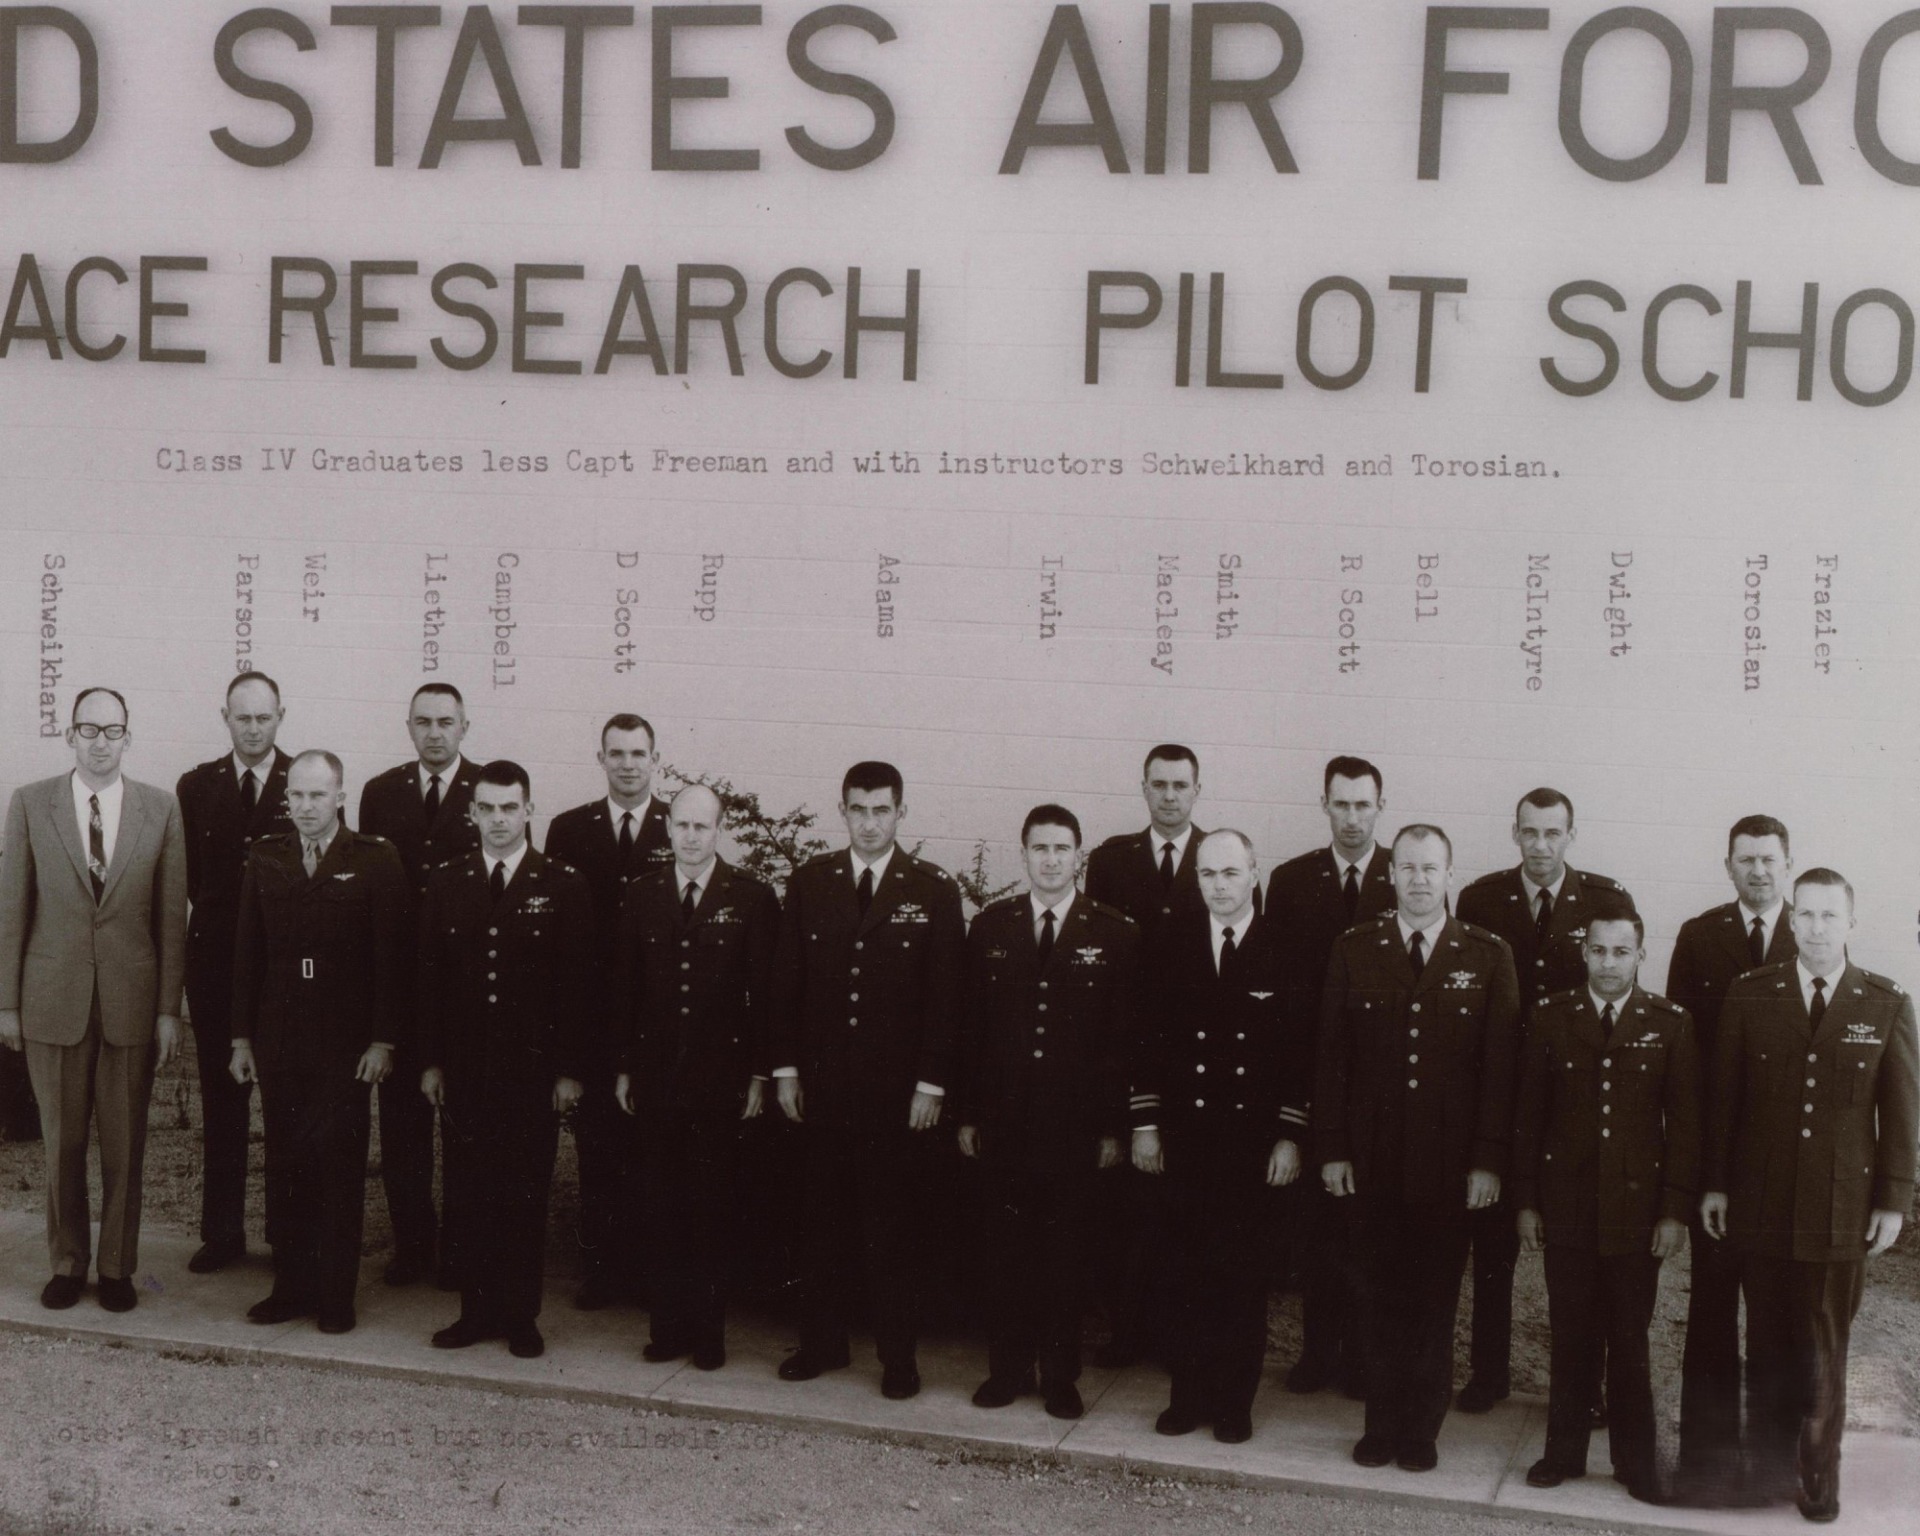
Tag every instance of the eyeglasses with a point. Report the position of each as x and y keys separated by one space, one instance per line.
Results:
x=111 y=732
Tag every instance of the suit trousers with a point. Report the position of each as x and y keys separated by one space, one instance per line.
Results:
x=611 y=1164
x=1496 y=1249
x=1799 y=1321
x=1034 y=1219
x=1220 y=1225
x=1612 y=1298
x=499 y=1142
x=692 y=1209
x=1710 y=1367
x=406 y=1158
x=317 y=1131
x=1412 y=1260
x=864 y=1211
x=108 y=1086
x=226 y=1113
x=1331 y=1331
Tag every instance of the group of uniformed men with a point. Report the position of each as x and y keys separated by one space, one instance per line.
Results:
x=1440 y=1089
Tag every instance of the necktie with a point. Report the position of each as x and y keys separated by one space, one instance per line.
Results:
x=249 y=792
x=1046 y=934
x=309 y=856
x=689 y=899
x=626 y=833
x=1606 y=1021
x=96 y=848
x=1543 y=921
x=1226 y=949
x=865 y=889
x=1166 y=866
x=1757 y=943
x=1350 y=894
x=1819 y=1009
x=432 y=803
x=1417 y=952
x=497 y=881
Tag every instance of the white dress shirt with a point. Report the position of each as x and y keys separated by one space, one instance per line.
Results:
x=110 y=801
x=1769 y=920
x=1239 y=925
x=1533 y=892
x=1432 y=931
x=259 y=770
x=1832 y=980
x=512 y=860
x=1060 y=909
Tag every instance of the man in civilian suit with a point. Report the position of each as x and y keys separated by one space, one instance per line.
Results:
x=691 y=1019
x=1412 y=1112
x=1809 y=1173
x=867 y=992
x=613 y=841
x=1712 y=951
x=226 y=805
x=421 y=807
x=93 y=927
x=1147 y=875
x=1220 y=1112
x=504 y=995
x=1313 y=899
x=1053 y=985
x=1539 y=907
x=317 y=1016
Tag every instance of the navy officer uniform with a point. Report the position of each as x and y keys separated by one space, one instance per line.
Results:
x=1606 y=1145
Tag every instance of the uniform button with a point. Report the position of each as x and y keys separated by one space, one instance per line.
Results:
x=1606 y=1061
x=493 y=954
x=1416 y=1007
x=1039 y=1054
x=1606 y=1109
x=1239 y=1071
x=852 y=1022
x=854 y=972
x=685 y=1011
x=1604 y=1085
x=1806 y=1130
x=492 y=976
x=1811 y=1056
x=1413 y=1082
x=495 y=933
x=857 y=943
x=686 y=965
x=1413 y=1034
x=1199 y=1103
x=685 y=988
x=1043 y=986
x=853 y=997
x=1413 y=1061
x=1201 y=1068
x=1042 y=1008
x=1039 y=1029
x=1239 y=1037
x=686 y=943
x=1605 y=1132
x=1199 y=1034
x=491 y=998
x=1809 y=1109
x=1539 y=963
x=1809 y=1082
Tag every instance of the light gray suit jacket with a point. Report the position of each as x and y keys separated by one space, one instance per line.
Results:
x=57 y=945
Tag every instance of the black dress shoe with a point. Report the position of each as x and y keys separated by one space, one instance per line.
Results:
x=1176 y=1421
x=709 y=1357
x=524 y=1342
x=462 y=1332
x=1478 y=1397
x=1819 y=1499
x=61 y=1292
x=211 y=1258
x=337 y=1320
x=660 y=1351
x=278 y=1309
x=1119 y=1353
x=1548 y=1473
x=1233 y=1429
x=1373 y=1451
x=997 y=1391
x=1063 y=1402
x=804 y=1364
x=405 y=1269
x=117 y=1295
x=1309 y=1375
x=1417 y=1456
x=899 y=1382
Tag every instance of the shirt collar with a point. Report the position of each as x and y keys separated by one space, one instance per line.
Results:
x=322 y=844
x=259 y=770
x=1341 y=863
x=1239 y=926
x=1769 y=919
x=878 y=866
x=1832 y=980
x=512 y=860
x=1156 y=840
x=1601 y=1004
x=1533 y=891
x=110 y=797
x=615 y=810
x=1432 y=930
x=1060 y=908
x=702 y=877
x=447 y=774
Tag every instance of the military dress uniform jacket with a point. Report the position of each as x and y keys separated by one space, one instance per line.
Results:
x=1225 y=1073
x=868 y=1007
x=1415 y=1078
x=1709 y=955
x=1499 y=902
x=1606 y=1139
x=1305 y=901
x=693 y=1012
x=220 y=832
x=1045 y=1048
x=1811 y=1131
x=318 y=960
x=503 y=993
x=391 y=806
x=587 y=838
x=1123 y=872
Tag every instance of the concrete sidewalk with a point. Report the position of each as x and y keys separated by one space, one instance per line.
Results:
x=1300 y=1443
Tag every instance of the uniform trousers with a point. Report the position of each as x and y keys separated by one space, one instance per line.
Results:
x=1799 y=1321
x=499 y=1142
x=406 y=1158
x=317 y=1130
x=1131 y=1264
x=1331 y=1332
x=692 y=1206
x=1412 y=1260
x=864 y=1215
x=1221 y=1217
x=226 y=1112
x=612 y=1168
x=1496 y=1250
x=1034 y=1219
x=108 y=1086
x=1710 y=1366
x=1594 y=1297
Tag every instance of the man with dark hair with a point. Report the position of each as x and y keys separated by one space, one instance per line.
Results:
x=1809 y=1182
x=615 y=840
x=503 y=998
x=1052 y=987
x=697 y=940
x=1412 y=1111
x=1713 y=949
x=421 y=808
x=1539 y=906
x=1606 y=1161
x=1313 y=899
x=866 y=990
x=1220 y=1112
x=1147 y=875
x=226 y=805
x=93 y=923
x=317 y=1016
